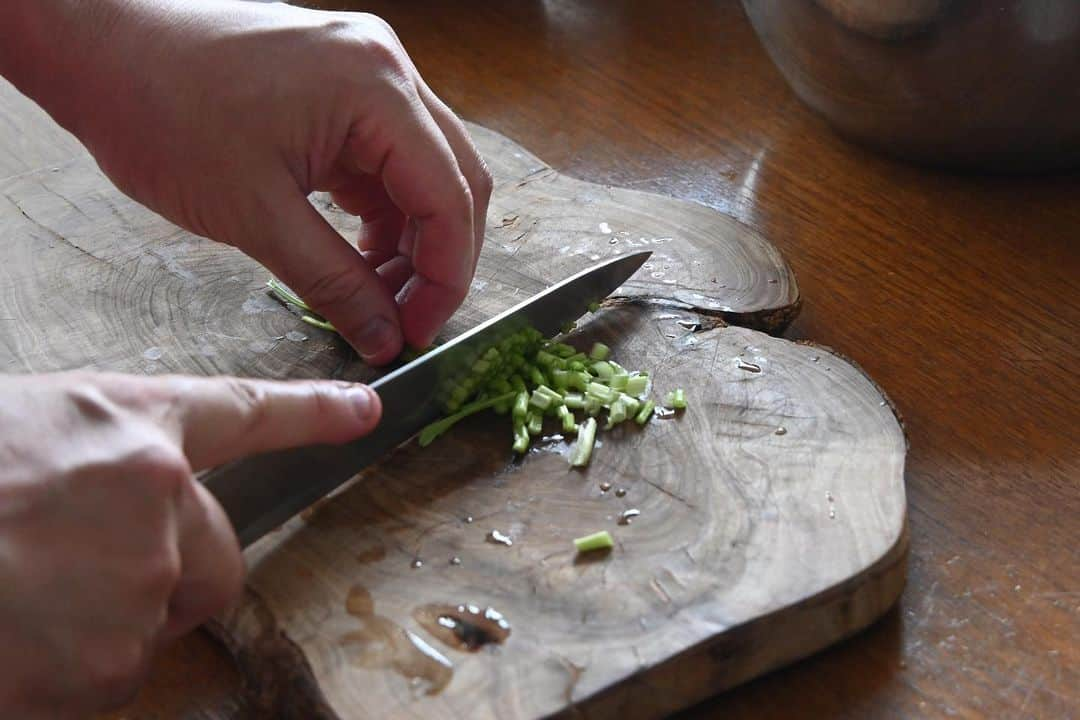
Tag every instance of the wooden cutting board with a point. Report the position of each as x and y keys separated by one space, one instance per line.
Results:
x=772 y=512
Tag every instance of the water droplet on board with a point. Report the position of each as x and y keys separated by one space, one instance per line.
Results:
x=816 y=358
x=468 y=518
x=832 y=514
x=605 y=486
x=663 y=413
x=605 y=228
x=773 y=281
x=781 y=430
x=657 y=274
x=594 y=257
x=690 y=325
x=620 y=492
x=828 y=496
x=455 y=560
x=612 y=241
x=628 y=515
x=499 y=538
x=153 y=353
x=295 y=336
x=417 y=563
x=463 y=627
x=748 y=366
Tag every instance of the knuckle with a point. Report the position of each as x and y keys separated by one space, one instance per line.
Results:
x=336 y=289
x=251 y=401
x=160 y=463
x=114 y=669
x=161 y=573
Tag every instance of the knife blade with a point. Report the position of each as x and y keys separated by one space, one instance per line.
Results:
x=261 y=492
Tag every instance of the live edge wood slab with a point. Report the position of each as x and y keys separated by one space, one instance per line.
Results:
x=772 y=511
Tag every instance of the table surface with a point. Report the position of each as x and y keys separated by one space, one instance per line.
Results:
x=958 y=294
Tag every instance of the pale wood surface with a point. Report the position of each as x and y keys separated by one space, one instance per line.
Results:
x=755 y=546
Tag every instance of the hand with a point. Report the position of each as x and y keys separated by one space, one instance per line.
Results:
x=108 y=546
x=223 y=116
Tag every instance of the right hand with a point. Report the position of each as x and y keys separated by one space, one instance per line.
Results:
x=109 y=547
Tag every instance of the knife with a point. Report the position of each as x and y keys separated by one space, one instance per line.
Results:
x=261 y=492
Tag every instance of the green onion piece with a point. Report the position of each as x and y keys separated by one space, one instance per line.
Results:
x=616 y=415
x=437 y=428
x=593 y=406
x=599 y=351
x=521 y=437
x=518 y=383
x=632 y=404
x=578 y=358
x=636 y=385
x=539 y=400
x=645 y=412
x=579 y=380
x=584 y=445
x=569 y=424
x=321 y=324
x=535 y=423
x=521 y=406
x=676 y=399
x=568 y=327
x=536 y=376
x=603 y=369
x=563 y=350
x=574 y=401
x=618 y=381
x=561 y=378
x=594 y=306
x=547 y=360
x=602 y=393
x=597 y=541
x=285 y=295
x=576 y=366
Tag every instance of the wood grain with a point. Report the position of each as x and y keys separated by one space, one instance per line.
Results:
x=956 y=292
x=772 y=524
x=787 y=448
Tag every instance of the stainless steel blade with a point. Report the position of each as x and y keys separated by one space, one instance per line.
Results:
x=261 y=492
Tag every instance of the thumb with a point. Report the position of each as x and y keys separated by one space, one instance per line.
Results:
x=222 y=419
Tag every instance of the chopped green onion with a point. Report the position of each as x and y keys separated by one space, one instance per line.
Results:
x=592 y=406
x=618 y=381
x=563 y=350
x=603 y=369
x=599 y=351
x=321 y=324
x=636 y=385
x=584 y=445
x=569 y=424
x=594 y=306
x=437 y=428
x=574 y=401
x=521 y=406
x=536 y=376
x=676 y=399
x=597 y=541
x=632 y=404
x=568 y=327
x=535 y=423
x=539 y=400
x=521 y=437
x=645 y=412
x=616 y=415
x=285 y=295
x=602 y=393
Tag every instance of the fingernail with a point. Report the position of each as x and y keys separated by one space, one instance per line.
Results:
x=365 y=402
x=375 y=337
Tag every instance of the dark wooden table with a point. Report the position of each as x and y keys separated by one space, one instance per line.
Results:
x=958 y=294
